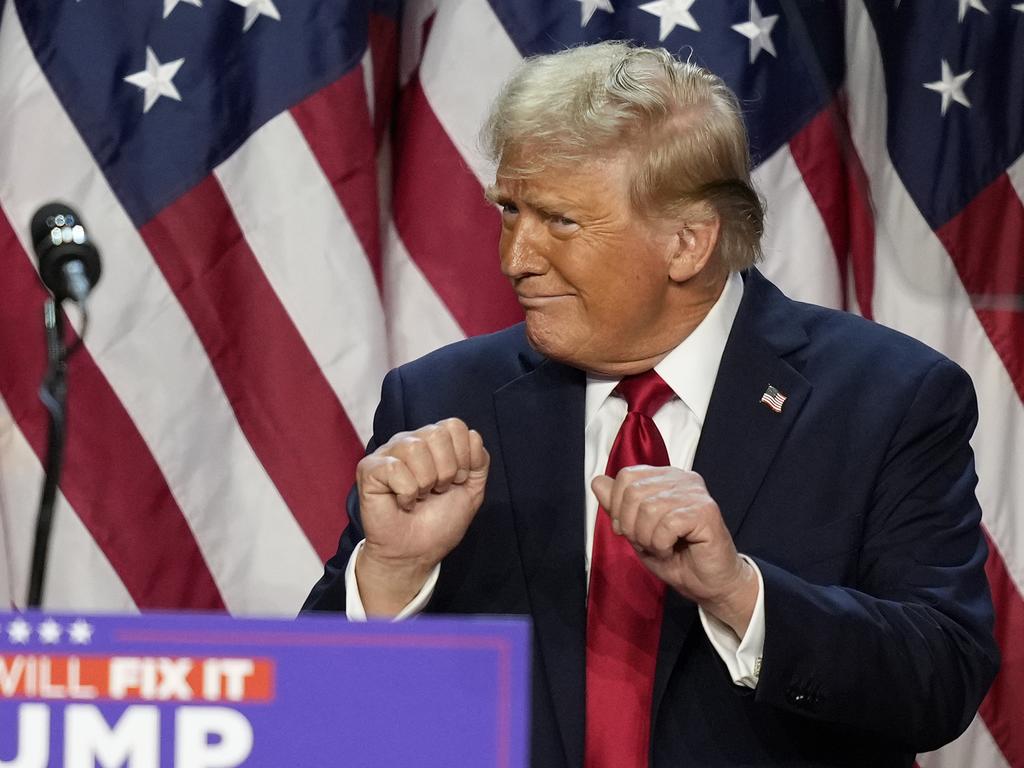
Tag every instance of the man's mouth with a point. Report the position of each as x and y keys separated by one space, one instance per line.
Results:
x=536 y=300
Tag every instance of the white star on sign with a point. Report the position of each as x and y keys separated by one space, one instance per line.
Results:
x=19 y=631
x=1018 y=7
x=975 y=4
x=49 y=631
x=256 y=8
x=673 y=13
x=951 y=87
x=759 y=31
x=80 y=632
x=589 y=7
x=156 y=79
x=170 y=5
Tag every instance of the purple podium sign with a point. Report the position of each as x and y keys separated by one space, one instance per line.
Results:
x=210 y=691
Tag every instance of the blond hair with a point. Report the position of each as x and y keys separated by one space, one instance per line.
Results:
x=681 y=124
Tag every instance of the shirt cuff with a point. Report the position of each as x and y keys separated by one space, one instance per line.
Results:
x=742 y=656
x=354 y=603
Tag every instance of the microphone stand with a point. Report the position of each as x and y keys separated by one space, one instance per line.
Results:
x=53 y=392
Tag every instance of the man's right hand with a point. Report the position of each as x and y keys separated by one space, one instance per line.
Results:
x=418 y=494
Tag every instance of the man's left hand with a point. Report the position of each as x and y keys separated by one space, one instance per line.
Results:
x=678 y=532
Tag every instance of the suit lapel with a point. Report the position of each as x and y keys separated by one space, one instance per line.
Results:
x=741 y=435
x=540 y=420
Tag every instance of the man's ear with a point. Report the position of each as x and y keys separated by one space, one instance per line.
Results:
x=695 y=241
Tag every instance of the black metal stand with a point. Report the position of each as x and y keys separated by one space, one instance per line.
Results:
x=53 y=393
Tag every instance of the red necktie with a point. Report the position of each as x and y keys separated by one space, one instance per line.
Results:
x=624 y=602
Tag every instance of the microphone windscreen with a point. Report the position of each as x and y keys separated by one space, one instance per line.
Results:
x=59 y=237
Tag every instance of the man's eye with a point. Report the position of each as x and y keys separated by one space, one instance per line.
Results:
x=563 y=223
x=508 y=209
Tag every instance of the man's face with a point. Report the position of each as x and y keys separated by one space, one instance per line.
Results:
x=591 y=274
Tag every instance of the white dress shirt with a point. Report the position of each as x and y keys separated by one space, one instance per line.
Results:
x=690 y=370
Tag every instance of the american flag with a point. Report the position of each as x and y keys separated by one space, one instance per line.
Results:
x=288 y=197
x=773 y=398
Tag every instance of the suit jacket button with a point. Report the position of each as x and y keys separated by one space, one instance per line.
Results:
x=798 y=698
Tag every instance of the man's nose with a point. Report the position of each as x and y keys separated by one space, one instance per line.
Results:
x=521 y=249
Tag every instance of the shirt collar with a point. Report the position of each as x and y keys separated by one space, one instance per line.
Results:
x=692 y=367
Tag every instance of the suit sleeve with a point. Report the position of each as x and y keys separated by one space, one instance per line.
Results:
x=328 y=594
x=908 y=652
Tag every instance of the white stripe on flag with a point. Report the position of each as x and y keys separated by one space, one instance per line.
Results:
x=974 y=749
x=79 y=577
x=367 y=64
x=418 y=321
x=467 y=59
x=312 y=258
x=798 y=254
x=172 y=398
x=414 y=18
x=7 y=595
x=1016 y=174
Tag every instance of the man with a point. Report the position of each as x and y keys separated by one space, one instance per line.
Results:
x=544 y=470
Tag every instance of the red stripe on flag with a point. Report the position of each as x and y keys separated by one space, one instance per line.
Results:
x=1002 y=710
x=384 y=53
x=833 y=174
x=110 y=478
x=450 y=230
x=984 y=240
x=336 y=124
x=279 y=394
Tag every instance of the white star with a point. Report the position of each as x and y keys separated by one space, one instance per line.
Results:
x=49 y=631
x=170 y=5
x=156 y=79
x=256 y=8
x=19 y=631
x=80 y=632
x=1018 y=7
x=759 y=31
x=951 y=87
x=673 y=13
x=589 y=7
x=975 y=4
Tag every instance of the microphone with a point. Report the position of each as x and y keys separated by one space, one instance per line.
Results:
x=68 y=261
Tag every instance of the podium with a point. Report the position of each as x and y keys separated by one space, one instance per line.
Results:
x=212 y=691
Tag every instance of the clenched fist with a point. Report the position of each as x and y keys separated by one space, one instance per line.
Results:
x=678 y=532
x=418 y=494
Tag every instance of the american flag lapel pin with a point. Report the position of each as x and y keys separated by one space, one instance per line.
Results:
x=773 y=398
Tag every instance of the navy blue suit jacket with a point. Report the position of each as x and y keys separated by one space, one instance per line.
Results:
x=857 y=502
